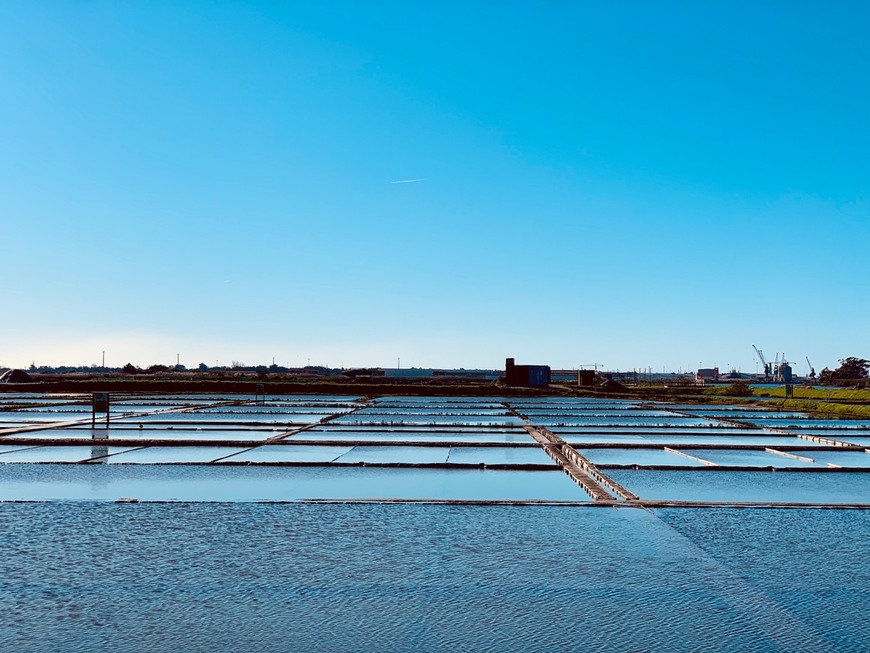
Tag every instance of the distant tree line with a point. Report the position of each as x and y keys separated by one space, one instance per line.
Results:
x=850 y=369
x=70 y=369
x=129 y=368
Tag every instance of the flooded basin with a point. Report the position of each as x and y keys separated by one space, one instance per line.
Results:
x=735 y=458
x=636 y=457
x=740 y=486
x=499 y=456
x=289 y=454
x=455 y=577
x=41 y=482
x=181 y=454
x=70 y=454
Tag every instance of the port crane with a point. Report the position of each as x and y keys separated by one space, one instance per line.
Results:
x=812 y=369
x=764 y=363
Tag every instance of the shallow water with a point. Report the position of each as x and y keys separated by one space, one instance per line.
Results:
x=838 y=457
x=636 y=457
x=466 y=410
x=71 y=454
x=399 y=437
x=245 y=577
x=664 y=422
x=711 y=428
x=747 y=414
x=281 y=453
x=499 y=456
x=40 y=482
x=181 y=454
x=809 y=563
x=680 y=439
x=552 y=413
x=255 y=411
x=410 y=455
x=234 y=418
x=82 y=573
x=397 y=419
x=740 y=486
x=747 y=458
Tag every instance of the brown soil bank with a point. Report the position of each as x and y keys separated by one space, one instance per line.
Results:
x=281 y=384
x=288 y=385
x=271 y=386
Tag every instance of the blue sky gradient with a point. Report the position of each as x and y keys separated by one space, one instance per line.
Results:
x=636 y=184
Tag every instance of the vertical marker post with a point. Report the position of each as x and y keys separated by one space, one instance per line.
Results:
x=99 y=404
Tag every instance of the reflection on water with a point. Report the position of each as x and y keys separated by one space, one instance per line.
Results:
x=811 y=563
x=246 y=483
x=221 y=577
x=223 y=573
x=66 y=454
x=636 y=457
x=739 y=486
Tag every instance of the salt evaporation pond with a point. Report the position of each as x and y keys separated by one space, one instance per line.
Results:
x=226 y=564
x=175 y=482
x=332 y=435
x=363 y=577
x=742 y=486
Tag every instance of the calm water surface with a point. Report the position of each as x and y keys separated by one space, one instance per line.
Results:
x=265 y=577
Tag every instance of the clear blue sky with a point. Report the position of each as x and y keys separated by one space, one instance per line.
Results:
x=635 y=184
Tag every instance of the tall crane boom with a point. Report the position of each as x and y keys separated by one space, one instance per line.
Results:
x=812 y=369
x=764 y=363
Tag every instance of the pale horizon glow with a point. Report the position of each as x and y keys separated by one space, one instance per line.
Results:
x=635 y=185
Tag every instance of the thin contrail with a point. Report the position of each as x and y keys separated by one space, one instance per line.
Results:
x=407 y=181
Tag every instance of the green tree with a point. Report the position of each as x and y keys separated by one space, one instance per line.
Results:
x=853 y=368
x=850 y=368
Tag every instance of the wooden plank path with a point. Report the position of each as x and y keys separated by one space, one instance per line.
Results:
x=579 y=468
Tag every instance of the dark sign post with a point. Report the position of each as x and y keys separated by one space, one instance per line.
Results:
x=100 y=404
x=261 y=393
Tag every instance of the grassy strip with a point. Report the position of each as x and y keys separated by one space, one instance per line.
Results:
x=822 y=403
x=815 y=393
x=801 y=392
x=825 y=408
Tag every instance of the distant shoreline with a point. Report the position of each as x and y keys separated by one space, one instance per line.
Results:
x=281 y=385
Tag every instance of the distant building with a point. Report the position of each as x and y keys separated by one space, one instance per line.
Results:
x=533 y=376
x=707 y=375
x=586 y=378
